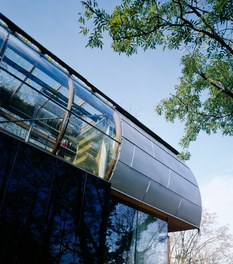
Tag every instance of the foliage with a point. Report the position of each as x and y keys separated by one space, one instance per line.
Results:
x=203 y=98
x=213 y=245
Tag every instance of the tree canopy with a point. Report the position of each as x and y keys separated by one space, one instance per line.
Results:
x=203 y=30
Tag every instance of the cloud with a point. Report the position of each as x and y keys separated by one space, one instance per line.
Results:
x=217 y=196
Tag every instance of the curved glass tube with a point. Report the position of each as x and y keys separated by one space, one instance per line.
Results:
x=44 y=105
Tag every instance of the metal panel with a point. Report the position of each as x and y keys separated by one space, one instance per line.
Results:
x=173 y=163
x=190 y=213
x=159 y=153
x=189 y=175
x=198 y=197
x=150 y=167
x=125 y=119
x=128 y=181
x=137 y=138
x=162 y=198
x=156 y=177
x=183 y=187
x=126 y=152
x=127 y=130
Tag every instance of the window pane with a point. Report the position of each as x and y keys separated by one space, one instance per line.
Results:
x=135 y=237
x=149 y=240
x=53 y=110
x=51 y=212
x=13 y=56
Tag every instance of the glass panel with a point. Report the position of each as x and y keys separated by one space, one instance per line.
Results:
x=93 y=223
x=93 y=108
x=7 y=81
x=3 y=37
x=13 y=109
x=149 y=244
x=70 y=141
x=51 y=212
x=18 y=59
x=8 y=152
x=26 y=94
x=47 y=119
x=9 y=122
x=89 y=146
x=87 y=113
x=45 y=78
x=135 y=237
x=119 y=234
x=35 y=211
x=95 y=151
x=47 y=110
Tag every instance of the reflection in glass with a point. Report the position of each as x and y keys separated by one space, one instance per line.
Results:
x=45 y=106
x=50 y=212
x=135 y=237
x=119 y=234
x=149 y=240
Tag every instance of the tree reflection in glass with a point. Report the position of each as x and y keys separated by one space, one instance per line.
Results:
x=51 y=212
x=135 y=237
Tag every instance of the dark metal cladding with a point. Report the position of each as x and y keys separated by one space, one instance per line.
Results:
x=150 y=173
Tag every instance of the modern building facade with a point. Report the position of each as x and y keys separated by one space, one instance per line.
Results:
x=81 y=180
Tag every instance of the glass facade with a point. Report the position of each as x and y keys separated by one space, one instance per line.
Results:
x=52 y=207
x=54 y=212
x=135 y=237
x=46 y=106
x=50 y=211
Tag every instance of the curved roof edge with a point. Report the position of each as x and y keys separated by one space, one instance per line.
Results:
x=153 y=176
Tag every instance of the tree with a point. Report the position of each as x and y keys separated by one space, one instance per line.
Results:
x=203 y=98
x=212 y=245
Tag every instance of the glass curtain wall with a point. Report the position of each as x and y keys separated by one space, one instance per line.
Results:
x=51 y=212
x=42 y=104
x=59 y=212
x=134 y=237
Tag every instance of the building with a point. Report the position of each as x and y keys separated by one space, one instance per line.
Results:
x=81 y=180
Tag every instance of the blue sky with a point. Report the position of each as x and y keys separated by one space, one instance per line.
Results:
x=136 y=83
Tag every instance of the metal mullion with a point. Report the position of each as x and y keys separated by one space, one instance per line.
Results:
x=24 y=71
x=23 y=81
x=82 y=119
x=57 y=88
x=21 y=123
x=3 y=48
x=33 y=88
